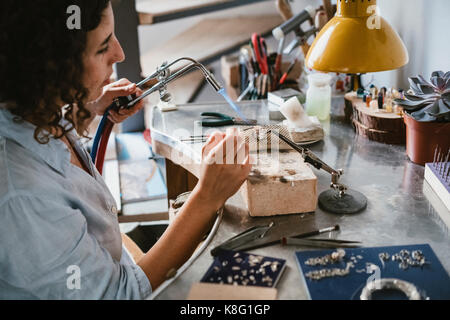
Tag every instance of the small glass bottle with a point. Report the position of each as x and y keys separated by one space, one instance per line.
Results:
x=389 y=107
x=318 y=96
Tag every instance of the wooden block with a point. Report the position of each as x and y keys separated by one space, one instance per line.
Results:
x=388 y=137
x=213 y=291
x=230 y=70
x=310 y=134
x=277 y=187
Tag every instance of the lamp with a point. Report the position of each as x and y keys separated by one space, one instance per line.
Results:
x=356 y=41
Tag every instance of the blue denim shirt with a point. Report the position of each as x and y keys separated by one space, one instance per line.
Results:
x=59 y=232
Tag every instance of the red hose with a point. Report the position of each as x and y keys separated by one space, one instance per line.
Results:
x=100 y=159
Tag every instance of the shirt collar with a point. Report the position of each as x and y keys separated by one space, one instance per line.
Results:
x=55 y=153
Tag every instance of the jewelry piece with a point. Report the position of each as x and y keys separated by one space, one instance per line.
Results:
x=328 y=273
x=407 y=288
x=334 y=257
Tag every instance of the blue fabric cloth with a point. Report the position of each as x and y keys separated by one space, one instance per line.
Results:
x=58 y=222
x=431 y=280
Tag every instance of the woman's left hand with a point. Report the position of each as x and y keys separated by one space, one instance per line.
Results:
x=120 y=88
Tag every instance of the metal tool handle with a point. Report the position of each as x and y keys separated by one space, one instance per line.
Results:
x=242 y=238
x=164 y=76
x=318 y=243
x=311 y=158
x=218 y=119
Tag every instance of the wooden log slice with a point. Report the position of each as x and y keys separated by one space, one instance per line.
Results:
x=388 y=137
x=378 y=120
x=376 y=125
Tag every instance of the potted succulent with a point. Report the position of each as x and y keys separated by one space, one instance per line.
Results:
x=427 y=116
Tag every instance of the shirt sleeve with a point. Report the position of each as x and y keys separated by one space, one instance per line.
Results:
x=47 y=252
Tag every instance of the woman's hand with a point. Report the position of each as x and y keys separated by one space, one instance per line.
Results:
x=225 y=166
x=120 y=88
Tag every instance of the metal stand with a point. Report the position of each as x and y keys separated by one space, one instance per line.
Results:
x=339 y=199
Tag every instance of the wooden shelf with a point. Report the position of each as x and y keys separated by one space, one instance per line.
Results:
x=154 y=11
x=208 y=40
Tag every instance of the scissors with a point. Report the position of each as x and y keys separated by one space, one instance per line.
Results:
x=216 y=119
x=260 y=49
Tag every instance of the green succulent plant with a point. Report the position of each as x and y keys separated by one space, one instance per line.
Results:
x=428 y=101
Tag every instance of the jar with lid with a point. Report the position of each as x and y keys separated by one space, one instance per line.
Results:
x=318 y=96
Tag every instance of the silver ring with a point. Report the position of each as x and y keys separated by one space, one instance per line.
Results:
x=407 y=288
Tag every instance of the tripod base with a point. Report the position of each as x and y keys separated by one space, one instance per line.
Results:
x=352 y=202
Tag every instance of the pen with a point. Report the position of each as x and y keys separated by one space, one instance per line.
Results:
x=278 y=62
x=284 y=77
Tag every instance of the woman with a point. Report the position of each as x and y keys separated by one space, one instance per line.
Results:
x=59 y=233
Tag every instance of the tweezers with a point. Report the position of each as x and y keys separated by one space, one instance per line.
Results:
x=324 y=243
x=242 y=238
x=321 y=243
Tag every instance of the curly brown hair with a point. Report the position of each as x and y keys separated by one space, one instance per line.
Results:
x=41 y=64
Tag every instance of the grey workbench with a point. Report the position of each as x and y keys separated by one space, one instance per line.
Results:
x=398 y=213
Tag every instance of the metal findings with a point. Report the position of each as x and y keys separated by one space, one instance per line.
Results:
x=246 y=271
x=407 y=259
x=384 y=256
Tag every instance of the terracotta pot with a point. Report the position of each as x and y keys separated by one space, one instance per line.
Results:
x=422 y=139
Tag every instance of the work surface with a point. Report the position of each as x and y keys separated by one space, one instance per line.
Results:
x=398 y=213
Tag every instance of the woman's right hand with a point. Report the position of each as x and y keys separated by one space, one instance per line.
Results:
x=225 y=166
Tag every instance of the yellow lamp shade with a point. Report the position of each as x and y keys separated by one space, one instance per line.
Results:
x=356 y=41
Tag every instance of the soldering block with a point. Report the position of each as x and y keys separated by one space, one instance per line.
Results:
x=280 y=184
x=312 y=133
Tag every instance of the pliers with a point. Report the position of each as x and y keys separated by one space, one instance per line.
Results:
x=216 y=119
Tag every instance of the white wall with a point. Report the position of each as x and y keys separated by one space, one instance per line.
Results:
x=424 y=26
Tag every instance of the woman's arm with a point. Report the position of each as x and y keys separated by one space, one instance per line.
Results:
x=217 y=182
